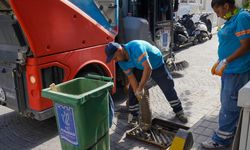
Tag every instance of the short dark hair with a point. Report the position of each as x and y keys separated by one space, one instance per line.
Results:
x=222 y=2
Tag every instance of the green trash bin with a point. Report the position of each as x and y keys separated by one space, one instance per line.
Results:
x=81 y=109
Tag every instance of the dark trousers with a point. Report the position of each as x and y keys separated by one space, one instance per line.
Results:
x=111 y=110
x=165 y=81
x=229 y=111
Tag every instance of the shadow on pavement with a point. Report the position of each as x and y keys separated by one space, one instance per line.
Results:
x=19 y=133
x=204 y=129
x=177 y=75
x=120 y=127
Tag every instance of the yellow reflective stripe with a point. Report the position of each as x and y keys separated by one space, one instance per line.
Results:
x=142 y=56
x=242 y=32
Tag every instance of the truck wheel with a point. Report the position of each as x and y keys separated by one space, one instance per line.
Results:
x=95 y=70
x=84 y=73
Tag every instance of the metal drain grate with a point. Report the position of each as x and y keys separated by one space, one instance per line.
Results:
x=160 y=134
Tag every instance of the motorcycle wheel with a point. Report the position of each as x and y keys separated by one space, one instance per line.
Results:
x=209 y=25
x=202 y=37
x=195 y=42
x=210 y=36
x=176 y=47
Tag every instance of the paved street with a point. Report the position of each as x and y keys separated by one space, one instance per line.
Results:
x=198 y=91
x=196 y=87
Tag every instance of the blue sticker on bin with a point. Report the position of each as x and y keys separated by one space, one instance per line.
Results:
x=165 y=39
x=66 y=120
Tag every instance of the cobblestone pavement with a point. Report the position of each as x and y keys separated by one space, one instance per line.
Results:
x=197 y=89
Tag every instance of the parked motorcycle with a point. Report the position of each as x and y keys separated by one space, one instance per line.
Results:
x=202 y=32
x=204 y=18
x=186 y=32
x=205 y=28
x=188 y=23
x=197 y=29
x=181 y=37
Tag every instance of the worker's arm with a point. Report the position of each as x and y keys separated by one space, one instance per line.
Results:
x=243 y=34
x=131 y=77
x=145 y=75
x=133 y=82
x=244 y=48
x=220 y=66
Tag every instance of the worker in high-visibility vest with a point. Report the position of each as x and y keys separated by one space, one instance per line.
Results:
x=233 y=66
x=140 y=60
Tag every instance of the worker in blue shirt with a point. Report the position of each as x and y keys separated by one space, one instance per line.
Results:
x=140 y=60
x=233 y=66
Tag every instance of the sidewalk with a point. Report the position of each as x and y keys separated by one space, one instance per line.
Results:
x=198 y=91
x=215 y=30
x=205 y=128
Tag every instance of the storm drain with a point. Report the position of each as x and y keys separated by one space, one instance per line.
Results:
x=161 y=133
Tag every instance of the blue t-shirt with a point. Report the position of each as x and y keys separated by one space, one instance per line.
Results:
x=234 y=30
x=140 y=51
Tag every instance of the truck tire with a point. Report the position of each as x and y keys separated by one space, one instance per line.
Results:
x=95 y=70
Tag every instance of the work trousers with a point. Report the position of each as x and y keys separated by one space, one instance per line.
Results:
x=229 y=111
x=165 y=81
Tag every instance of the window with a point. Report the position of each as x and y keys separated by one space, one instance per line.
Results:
x=108 y=8
x=192 y=1
x=4 y=5
x=105 y=12
x=183 y=1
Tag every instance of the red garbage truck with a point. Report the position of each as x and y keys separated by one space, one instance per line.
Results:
x=52 y=41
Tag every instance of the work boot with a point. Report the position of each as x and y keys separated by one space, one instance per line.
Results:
x=182 y=117
x=133 y=121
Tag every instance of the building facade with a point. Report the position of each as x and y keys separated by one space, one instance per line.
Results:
x=202 y=6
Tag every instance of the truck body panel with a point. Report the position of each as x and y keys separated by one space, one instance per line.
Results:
x=48 y=42
x=11 y=74
x=70 y=62
x=52 y=41
x=57 y=26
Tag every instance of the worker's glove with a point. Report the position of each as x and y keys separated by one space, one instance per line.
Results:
x=219 y=67
x=214 y=67
x=139 y=94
